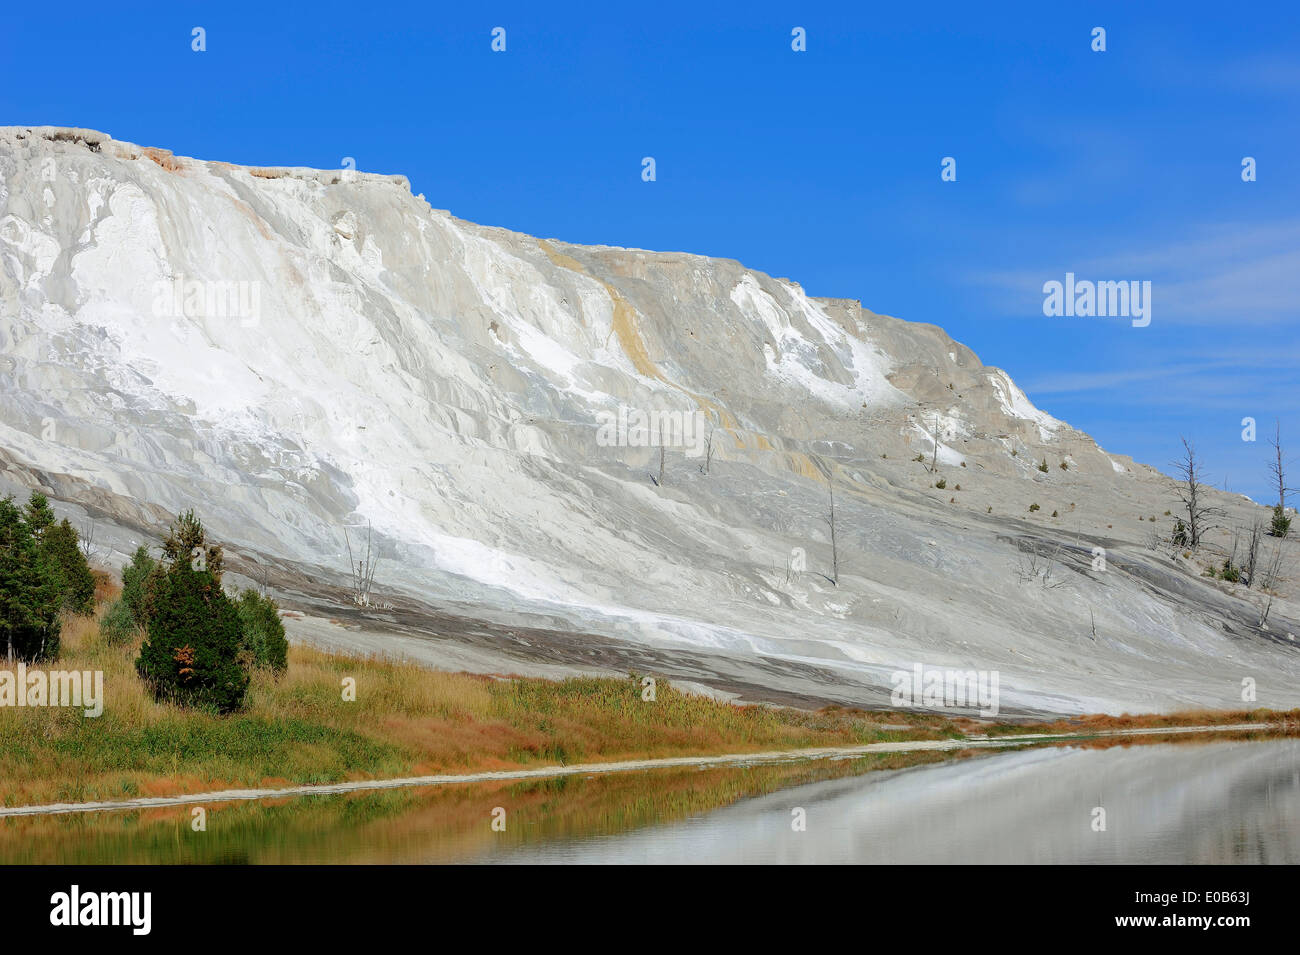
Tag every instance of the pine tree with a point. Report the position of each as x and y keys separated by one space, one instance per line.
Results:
x=191 y=651
x=39 y=515
x=29 y=587
x=135 y=579
x=188 y=539
x=118 y=627
x=263 y=636
x=190 y=654
x=64 y=559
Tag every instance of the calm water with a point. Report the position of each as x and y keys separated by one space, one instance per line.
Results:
x=1215 y=802
x=1209 y=803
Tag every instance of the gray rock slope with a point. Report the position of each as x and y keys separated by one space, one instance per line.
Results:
x=293 y=351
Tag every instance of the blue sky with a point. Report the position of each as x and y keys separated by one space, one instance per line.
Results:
x=822 y=166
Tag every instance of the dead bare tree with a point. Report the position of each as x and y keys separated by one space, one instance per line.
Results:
x=86 y=540
x=363 y=571
x=1193 y=495
x=708 y=454
x=1277 y=468
x=1032 y=566
x=1252 y=553
x=834 y=576
x=835 y=554
x=1270 y=574
x=934 y=458
x=662 y=452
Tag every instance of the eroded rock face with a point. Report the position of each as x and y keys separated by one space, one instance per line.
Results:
x=289 y=351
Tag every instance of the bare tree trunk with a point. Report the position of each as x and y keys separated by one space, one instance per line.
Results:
x=835 y=554
x=87 y=540
x=1252 y=553
x=363 y=572
x=1192 y=494
x=1277 y=468
x=934 y=458
x=661 y=465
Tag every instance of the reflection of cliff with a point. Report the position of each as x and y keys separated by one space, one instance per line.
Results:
x=1219 y=802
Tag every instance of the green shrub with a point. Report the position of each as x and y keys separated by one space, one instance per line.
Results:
x=1179 y=538
x=187 y=539
x=118 y=626
x=1281 y=523
x=941 y=483
x=263 y=637
x=31 y=588
x=135 y=576
x=1043 y=467
x=1033 y=507
x=68 y=564
x=190 y=654
x=1065 y=466
x=1230 y=573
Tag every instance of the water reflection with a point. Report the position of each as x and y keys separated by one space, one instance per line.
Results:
x=1207 y=802
x=1223 y=802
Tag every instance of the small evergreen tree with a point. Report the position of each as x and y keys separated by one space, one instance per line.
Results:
x=1281 y=523
x=191 y=652
x=118 y=626
x=29 y=587
x=135 y=578
x=263 y=632
x=39 y=514
x=188 y=539
x=65 y=561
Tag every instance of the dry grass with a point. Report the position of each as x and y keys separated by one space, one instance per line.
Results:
x=1101 y=722
x=106 y=588
x=406 y=720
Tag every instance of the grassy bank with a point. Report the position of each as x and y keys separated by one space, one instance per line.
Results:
x=405 y=720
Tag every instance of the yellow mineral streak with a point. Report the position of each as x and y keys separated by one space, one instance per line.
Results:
x=629 y=334
x=629 y=338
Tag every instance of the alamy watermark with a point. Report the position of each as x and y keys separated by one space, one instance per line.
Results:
x=1086 y=299
x=67 y=688
x=946 y=689
x=634 y=428
x=133 y=910
x=202 y=298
